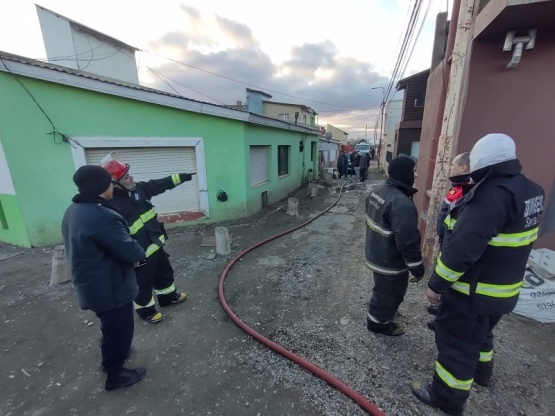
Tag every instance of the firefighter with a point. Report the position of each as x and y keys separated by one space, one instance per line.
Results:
x=392 y=244
x=479 y=271
x=133 y=199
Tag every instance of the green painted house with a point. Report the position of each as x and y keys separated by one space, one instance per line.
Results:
x=54 y=119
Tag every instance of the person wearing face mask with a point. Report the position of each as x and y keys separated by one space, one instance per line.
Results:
x=133 y=199
x=479 y=271
x=392 y=244
x=459 y=175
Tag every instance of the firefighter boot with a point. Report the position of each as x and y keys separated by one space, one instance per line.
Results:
x=484 y=372
x=423 y=393
x=171 y=298
x=126 y=377
x=391 y=328
x=149 y=314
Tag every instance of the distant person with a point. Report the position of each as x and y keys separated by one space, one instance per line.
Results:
x=357 y=166
x=392 y=244
x=363 y=165
x=459 y=175
x=479 y=270
x=352 y=158
x=342 y=164
x=101 y=255
x=133 y=199
x=372 y=153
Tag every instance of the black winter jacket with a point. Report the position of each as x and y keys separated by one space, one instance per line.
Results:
x=100 y=253
x=392 y=236
x=488 y=241
x=137 y=208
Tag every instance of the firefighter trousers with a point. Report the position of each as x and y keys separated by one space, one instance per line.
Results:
x=465 y=353
x=388 y=293
x=157 y=275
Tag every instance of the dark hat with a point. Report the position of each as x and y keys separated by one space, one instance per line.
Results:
x=92 y=180
x=402 y=169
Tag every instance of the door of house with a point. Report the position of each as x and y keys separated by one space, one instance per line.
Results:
x=415 y=149
x=260 y=164
x=155 y=163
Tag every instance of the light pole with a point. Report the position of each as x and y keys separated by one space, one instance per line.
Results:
x=382 y=105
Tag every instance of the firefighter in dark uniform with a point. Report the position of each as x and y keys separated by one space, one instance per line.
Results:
x=479 y=270
x=133 y=199
x=392 y=244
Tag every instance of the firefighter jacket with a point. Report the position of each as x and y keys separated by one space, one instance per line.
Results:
x=100 y=253
x=488 y=240
x=138 y=210
x=460 y=185
x=392 y=236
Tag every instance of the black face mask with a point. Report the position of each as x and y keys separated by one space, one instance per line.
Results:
x=402 y=169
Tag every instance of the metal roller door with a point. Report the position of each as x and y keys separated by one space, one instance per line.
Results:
x=155 y=163
x=260 y=158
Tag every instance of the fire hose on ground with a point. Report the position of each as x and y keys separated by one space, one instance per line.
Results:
x=317 y=371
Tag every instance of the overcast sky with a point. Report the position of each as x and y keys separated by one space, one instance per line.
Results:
x=324 y=54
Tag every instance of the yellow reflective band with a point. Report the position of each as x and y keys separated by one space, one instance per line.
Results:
x=378 y=228
x=516 y=239
x=153 y=248
x=446 y=273
x=486 y=356
x=176 y=179
x=165 y=291
x=137 y=225
x=450 y=222
x=498 y=291
x=450 y=380
x=462 y=287
x=149 y=304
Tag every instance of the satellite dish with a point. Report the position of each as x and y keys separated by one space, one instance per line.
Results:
x=328 y=136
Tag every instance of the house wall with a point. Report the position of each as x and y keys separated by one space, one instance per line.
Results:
x=415 y=93
x=300 y=163
x=392 y=118
x=405 y=139
x=337 y=134
x=273 y=110
x=518 y=102
x=42 y=168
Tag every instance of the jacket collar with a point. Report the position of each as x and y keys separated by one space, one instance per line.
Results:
x=403 y=187
x=508 y=168
x=87 y=199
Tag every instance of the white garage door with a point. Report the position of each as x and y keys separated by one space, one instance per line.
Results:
x=260 y=158
x=155 y=163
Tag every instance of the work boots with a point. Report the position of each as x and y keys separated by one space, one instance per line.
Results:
x=423 y=392
x=391 y=328
x=126 y=377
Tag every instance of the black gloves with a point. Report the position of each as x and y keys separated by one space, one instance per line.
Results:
x=186 y=177
x=417 y=273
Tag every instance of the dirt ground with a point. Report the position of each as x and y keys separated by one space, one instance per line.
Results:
x=307 y=291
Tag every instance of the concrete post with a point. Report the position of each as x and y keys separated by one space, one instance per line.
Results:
x=222 y=241
x=452 y=115
x=293 y=207
x=60 y=269
x=313 y=190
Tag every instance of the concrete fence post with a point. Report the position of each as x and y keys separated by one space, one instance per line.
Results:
x=60 y=269
x=222 y=241
x=293 y=207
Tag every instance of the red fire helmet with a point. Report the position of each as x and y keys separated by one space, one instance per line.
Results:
x=114 y=167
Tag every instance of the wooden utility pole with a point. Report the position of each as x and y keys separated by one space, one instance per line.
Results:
x=452 y=115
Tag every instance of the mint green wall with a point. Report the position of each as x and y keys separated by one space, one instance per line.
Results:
x=15 y=233
x=42 y=169
x=299 y=164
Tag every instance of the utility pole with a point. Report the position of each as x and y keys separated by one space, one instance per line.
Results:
x=454 y=103
x=365 y=131
x=382 y=105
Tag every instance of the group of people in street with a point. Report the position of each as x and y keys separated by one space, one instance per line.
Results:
x=114 y=244
x=487 y=225
x=356 y=163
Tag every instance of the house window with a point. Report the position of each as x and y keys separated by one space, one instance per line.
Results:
x=283 y=160
x=420 y=97
x=283 y=116
x=304 y=119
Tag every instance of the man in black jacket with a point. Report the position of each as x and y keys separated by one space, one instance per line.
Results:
x=479 y=270
x=133 y=199
x=392 y=244
x=101 y=255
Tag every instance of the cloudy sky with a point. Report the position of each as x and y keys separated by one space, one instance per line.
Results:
x=324 y=54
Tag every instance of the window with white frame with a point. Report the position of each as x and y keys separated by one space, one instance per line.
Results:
x=283 y=116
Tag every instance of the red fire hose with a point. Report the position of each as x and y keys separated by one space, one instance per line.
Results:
x=348 y=391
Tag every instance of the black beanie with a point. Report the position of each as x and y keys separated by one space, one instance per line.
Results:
x=402 y=169
x=92 y=180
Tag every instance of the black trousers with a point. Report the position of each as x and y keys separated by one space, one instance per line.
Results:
x=363 y=172
x=156 y=274
x=117 y=329
x=465 y=351
x=388 y=293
